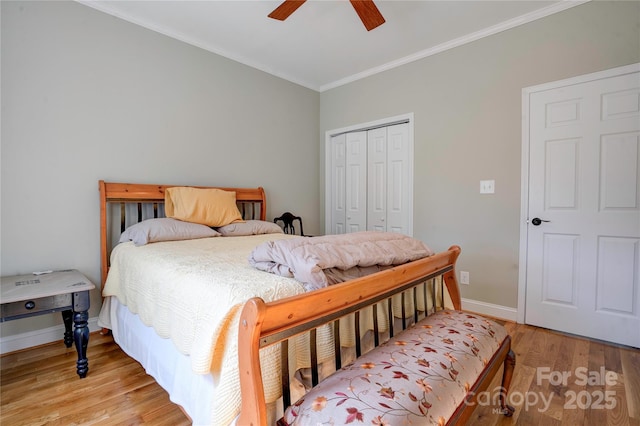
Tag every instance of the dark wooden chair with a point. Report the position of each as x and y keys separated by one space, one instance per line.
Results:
x=287 y=219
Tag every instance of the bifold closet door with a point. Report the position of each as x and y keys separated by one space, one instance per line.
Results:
x=388 y=188
x=370 y=180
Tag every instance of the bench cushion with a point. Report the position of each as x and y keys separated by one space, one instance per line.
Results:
x=420 y=376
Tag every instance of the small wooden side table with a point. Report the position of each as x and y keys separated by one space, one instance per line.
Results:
x=57 y=291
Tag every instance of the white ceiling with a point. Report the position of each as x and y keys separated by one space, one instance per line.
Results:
x=323 y=44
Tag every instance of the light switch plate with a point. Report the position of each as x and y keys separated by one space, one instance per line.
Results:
x=487 y=186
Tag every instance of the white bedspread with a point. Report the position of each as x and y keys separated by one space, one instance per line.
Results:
x=192 y=292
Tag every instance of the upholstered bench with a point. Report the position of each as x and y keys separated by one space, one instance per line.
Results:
x=420 y=376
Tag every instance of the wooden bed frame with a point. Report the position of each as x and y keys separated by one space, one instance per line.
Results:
x=263 y=324
x=252 y=203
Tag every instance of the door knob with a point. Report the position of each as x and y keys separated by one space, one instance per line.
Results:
x=537 y=221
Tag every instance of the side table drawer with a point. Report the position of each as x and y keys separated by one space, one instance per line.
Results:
x=36 y=306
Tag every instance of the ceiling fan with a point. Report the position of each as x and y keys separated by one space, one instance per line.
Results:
x=366 y=9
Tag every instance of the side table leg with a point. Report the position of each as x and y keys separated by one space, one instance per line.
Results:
x=67 y=317
x=81 y=336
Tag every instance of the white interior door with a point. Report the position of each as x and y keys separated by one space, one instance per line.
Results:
x=583 y=235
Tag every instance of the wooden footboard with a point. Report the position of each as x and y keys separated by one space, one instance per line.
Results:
x=264 y=324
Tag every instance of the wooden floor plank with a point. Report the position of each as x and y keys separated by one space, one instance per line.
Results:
x=579 y=359
x=596 y=362
x=630 y=364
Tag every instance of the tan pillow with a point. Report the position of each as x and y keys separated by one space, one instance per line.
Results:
x=208 y=206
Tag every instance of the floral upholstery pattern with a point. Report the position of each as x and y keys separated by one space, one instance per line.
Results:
x=420 y=376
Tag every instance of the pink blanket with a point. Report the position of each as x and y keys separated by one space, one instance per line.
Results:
x=319 y=261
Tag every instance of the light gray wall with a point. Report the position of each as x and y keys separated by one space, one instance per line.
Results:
x=86 y=96
x=467 y=106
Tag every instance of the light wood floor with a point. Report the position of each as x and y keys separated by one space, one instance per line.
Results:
x=39 y=386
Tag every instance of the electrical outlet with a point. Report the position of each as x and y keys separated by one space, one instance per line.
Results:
x=464 y=277
x=487 y=186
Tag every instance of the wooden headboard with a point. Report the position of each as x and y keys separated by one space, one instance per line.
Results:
x=252 y=204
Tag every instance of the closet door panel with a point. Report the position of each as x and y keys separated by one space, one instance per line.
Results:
x=338 y=185
x=398 y=189
x=356 y=181
x=377 y=179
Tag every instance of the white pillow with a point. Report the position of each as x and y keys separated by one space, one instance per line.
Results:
x=250 y=227
x=165 y=229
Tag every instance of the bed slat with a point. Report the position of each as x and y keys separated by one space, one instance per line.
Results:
x=426 y=300
x=356 y=326
x=390 y=317
x=415 y=305
x=337 y=344
x=313 y=347
x=433 y=294
x=284 y=368
x=404 y=311
x=376 y=329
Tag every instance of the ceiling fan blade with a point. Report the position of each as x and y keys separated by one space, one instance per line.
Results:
x=368 y=13
x=286 y=8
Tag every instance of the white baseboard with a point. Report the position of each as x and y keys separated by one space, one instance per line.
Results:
x=20 y=341
x=496 y=311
